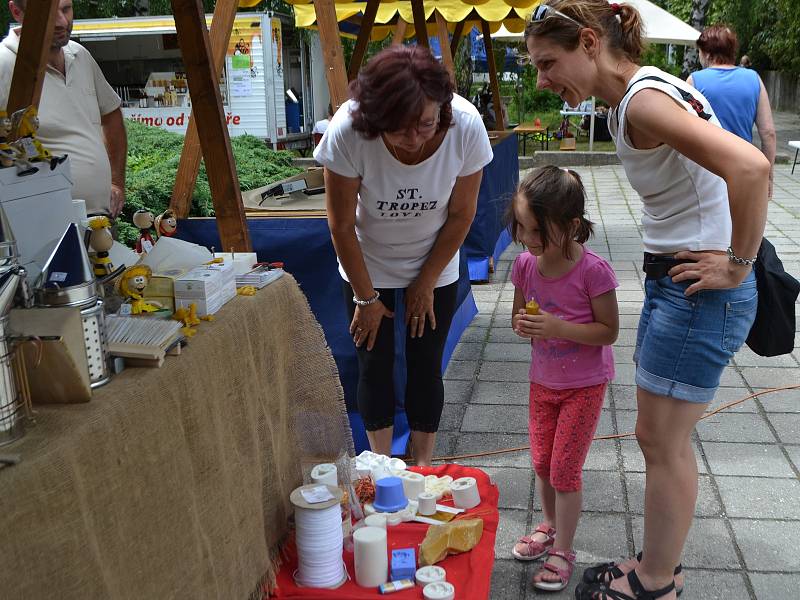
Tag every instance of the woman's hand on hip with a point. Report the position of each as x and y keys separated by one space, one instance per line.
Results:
x=366 y=321
x=419 y=308
x=712 y=270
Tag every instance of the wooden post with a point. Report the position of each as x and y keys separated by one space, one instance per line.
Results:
x=420 y=27
x=444 y=43
x=332 y=53
x=189 y=165
x=498 y=105
x=190 y=25
x=363 y=39
x=459 y=30
x=399 y=31
x=34 y=48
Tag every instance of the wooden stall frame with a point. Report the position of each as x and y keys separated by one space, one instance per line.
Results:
x=34 y=48
x=215 y=142
x=499 y=115
x=332 y=54
x=189 y=165
x=363 y=39
x=444 y=43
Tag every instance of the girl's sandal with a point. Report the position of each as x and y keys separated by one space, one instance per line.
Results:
x=601 y=591
x=564 y=574
x=607 y=572
x=534 y=548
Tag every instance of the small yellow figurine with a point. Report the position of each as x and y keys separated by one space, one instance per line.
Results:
x=532 y=307
x=100 y=240
x=7 y=153
x=25 y=124
x=187 y=316
x=131 y=284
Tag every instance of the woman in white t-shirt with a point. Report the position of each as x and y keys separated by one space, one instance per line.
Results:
x=403 y=163
x=704 y=206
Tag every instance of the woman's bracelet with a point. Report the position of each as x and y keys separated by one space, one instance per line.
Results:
x=745 y=262
x=368 y=301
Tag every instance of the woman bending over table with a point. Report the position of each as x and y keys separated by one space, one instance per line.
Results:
x=403 y=162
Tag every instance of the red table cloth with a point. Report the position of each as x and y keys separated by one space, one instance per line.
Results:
x=470 y=572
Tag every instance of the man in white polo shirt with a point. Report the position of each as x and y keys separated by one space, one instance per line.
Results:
x=79 y=113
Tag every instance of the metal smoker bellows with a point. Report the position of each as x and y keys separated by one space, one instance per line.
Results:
x=11 y=405
x=67 y=280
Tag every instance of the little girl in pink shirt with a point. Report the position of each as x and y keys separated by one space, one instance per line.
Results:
x=565 y=303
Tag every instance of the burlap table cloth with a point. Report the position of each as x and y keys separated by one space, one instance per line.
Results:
x=174 y=482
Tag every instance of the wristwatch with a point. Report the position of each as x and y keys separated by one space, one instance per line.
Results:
x=745 y=262
x=367 y=302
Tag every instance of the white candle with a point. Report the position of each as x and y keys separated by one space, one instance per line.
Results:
x=370 y=556
x=465 y=492
x=326 y=474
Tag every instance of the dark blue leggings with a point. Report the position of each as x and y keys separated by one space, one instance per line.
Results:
x=424 y=389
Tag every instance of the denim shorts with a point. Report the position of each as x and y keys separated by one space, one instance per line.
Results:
x=684 y=342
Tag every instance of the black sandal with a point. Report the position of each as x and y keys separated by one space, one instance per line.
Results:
x=601 y=591
x=607 y=572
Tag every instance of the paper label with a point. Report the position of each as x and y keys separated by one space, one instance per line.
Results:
x=125 y=310
x=147 y=245
x=29 y=147
x=58 y=276
x=317 y=494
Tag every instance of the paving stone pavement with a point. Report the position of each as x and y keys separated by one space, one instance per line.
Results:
x=745 y=540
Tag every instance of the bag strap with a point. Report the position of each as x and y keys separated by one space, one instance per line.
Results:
x=687 y=97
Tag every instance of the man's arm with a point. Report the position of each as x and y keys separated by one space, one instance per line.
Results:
x=116 y=141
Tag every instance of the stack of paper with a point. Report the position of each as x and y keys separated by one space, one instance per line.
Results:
x=209 y=287
x=258 y=277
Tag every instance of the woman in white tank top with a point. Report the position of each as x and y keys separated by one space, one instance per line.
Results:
x=704 y=195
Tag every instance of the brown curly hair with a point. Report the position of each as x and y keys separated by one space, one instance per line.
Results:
x=392 y=89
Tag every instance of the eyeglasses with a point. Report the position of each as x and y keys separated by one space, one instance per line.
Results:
x=420 y=128
x=544 y=11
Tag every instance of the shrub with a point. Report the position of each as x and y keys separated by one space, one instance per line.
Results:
x=153 y=157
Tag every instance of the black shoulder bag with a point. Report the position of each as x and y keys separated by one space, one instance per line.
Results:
x=773 y=331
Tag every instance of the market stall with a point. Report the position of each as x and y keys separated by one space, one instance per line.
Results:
x=175 y=482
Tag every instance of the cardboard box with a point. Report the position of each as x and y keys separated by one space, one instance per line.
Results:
x=162 y=284
x=202 y=283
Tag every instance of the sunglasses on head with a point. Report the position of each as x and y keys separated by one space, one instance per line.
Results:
x=543 y=11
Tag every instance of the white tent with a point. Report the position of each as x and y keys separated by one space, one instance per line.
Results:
x=660 y=27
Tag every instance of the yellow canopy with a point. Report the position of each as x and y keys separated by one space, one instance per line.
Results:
x=511 y=13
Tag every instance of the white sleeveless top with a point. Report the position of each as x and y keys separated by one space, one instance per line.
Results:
x=685 y=206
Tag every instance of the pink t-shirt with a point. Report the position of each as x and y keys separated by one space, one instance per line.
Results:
x=563 y=364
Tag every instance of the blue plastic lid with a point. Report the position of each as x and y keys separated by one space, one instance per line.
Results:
x=390 y=490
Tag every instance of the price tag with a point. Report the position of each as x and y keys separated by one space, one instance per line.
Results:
x=58 y=276
x=317 y=494
x=125 y=310
x=147 y=245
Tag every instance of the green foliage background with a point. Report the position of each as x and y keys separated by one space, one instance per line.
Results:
x=153 y=156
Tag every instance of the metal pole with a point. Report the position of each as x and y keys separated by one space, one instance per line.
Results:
x=591 y=127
